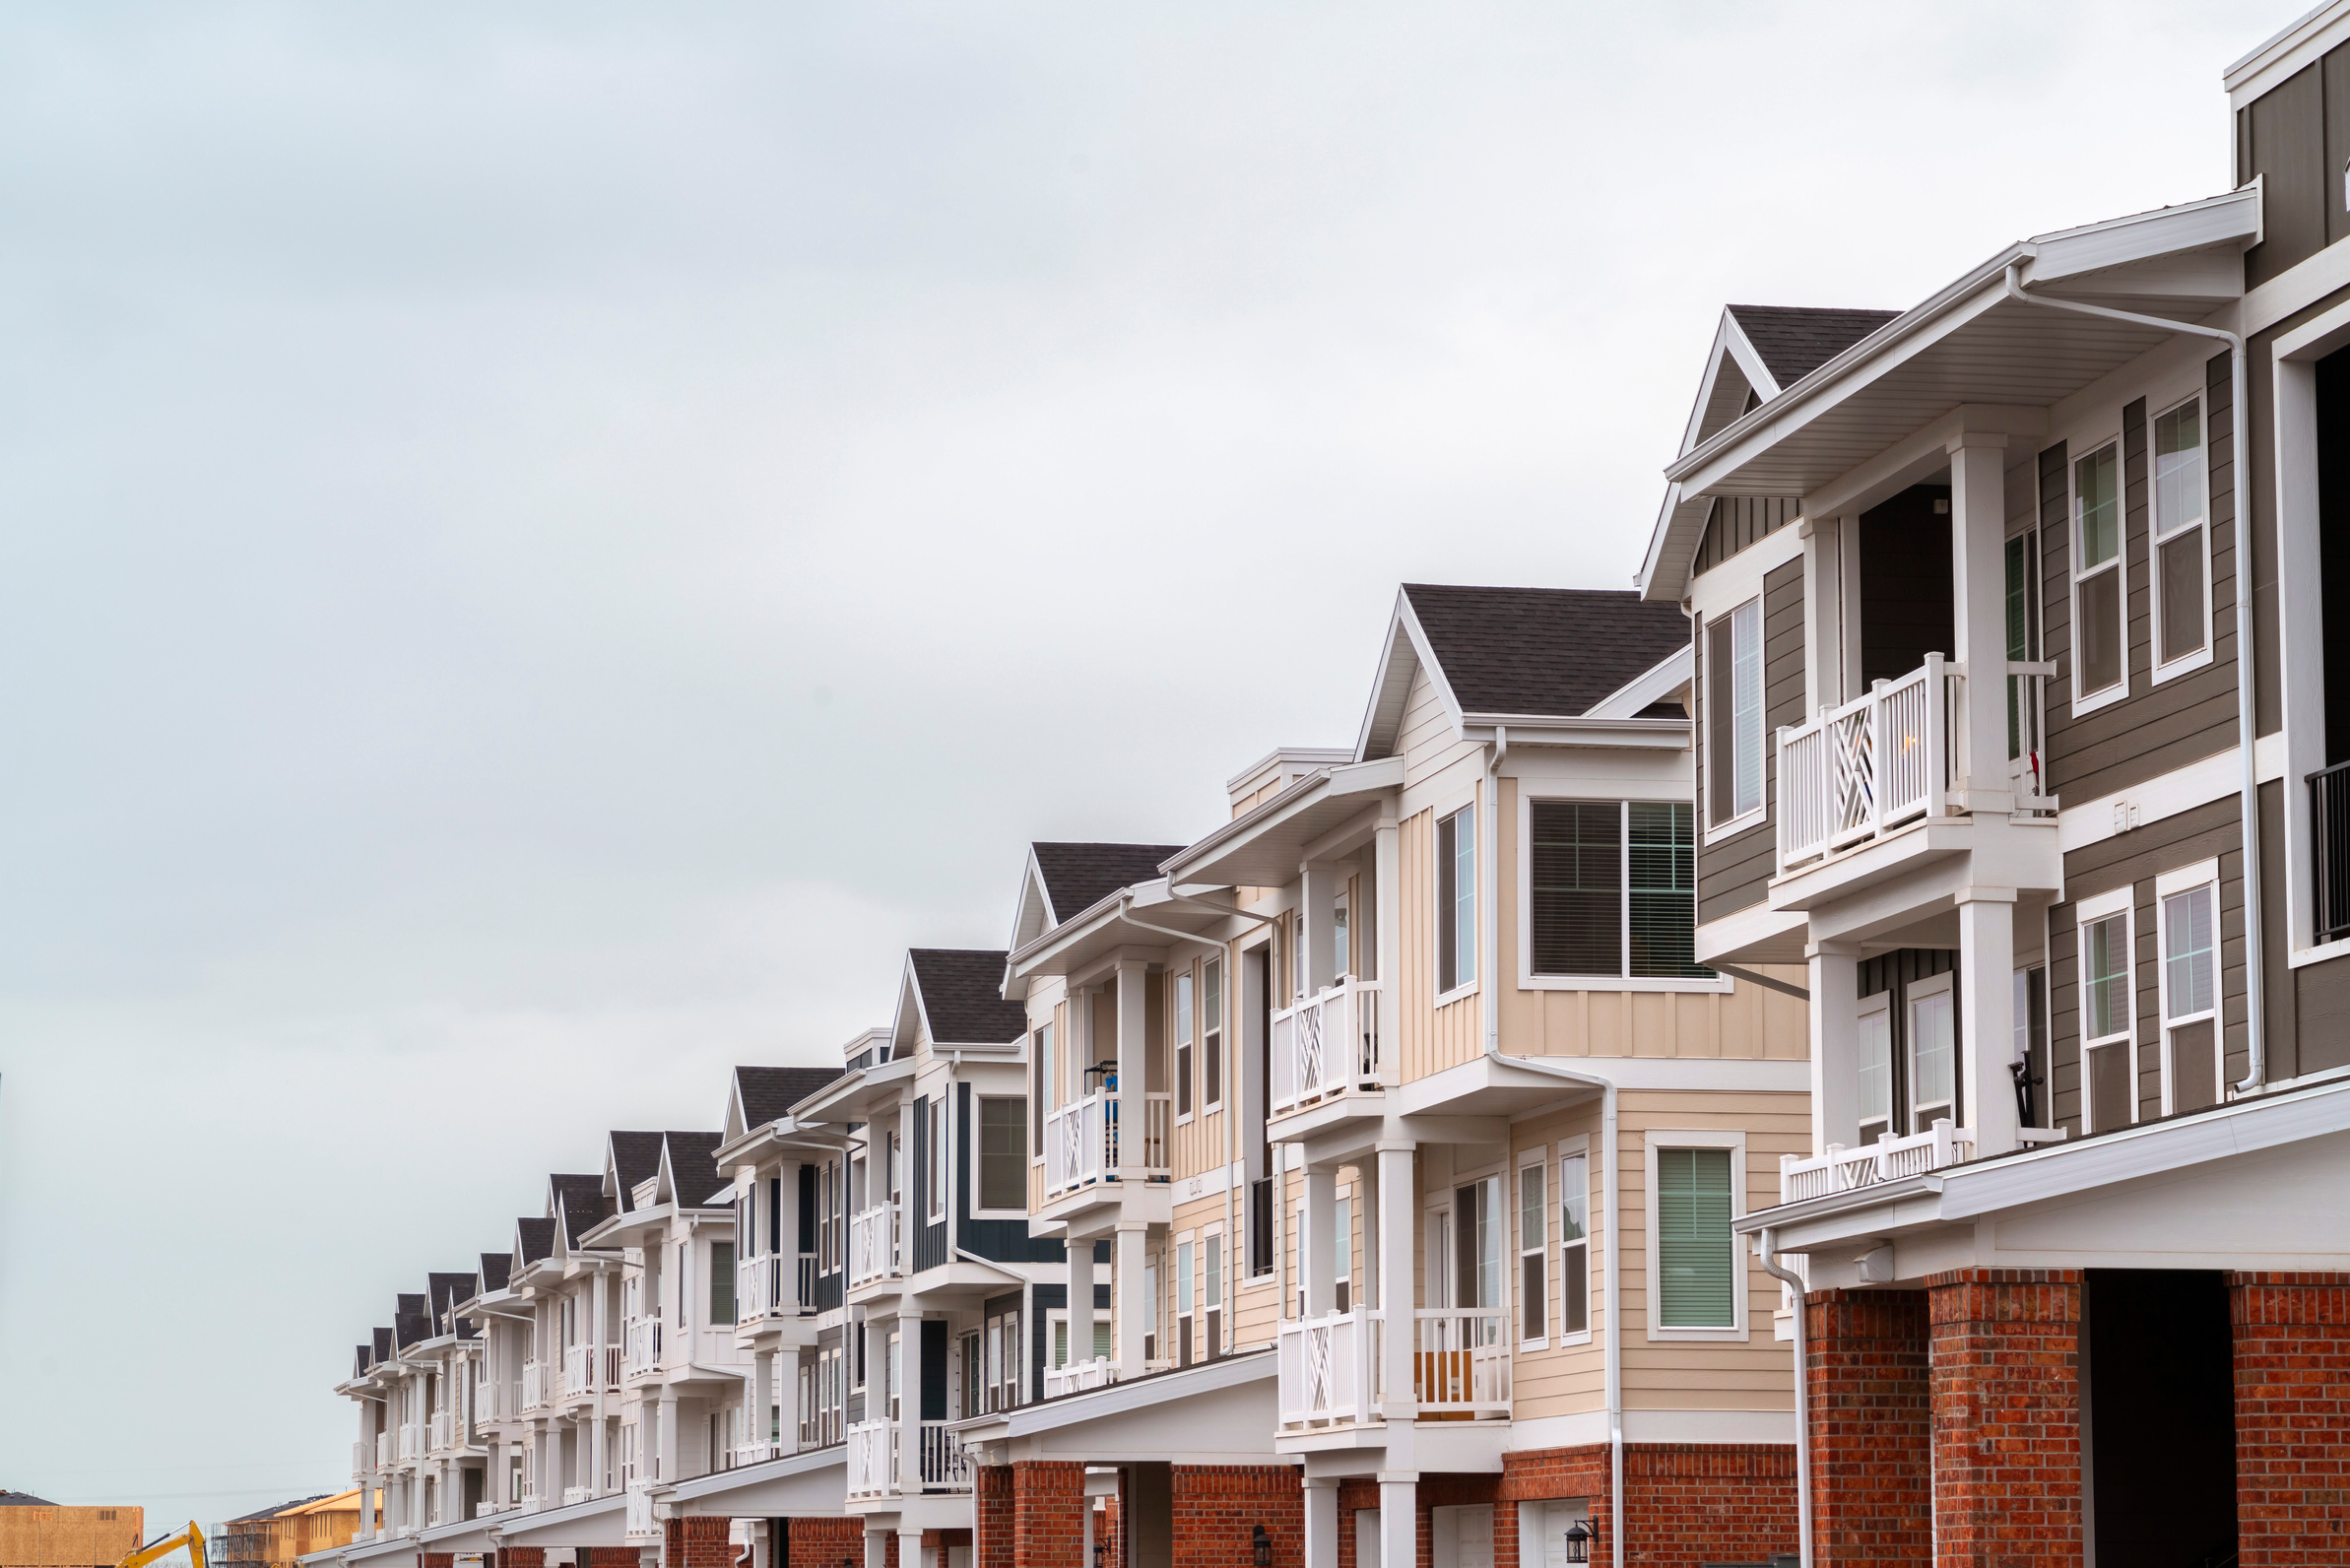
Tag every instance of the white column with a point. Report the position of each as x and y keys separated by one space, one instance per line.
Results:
x=1081 y=1302
x=876 y=1548
x=1322 y=1522
x=909 y=1548
x=757 y=1394
x=665 y=1445
x=1396 y=1300
x=1398 y=1519
x=1318 y=1261
x=1835 y=1044
x=1134 y=1068
x=1986 y=1016
x=1978 y=616
x=909 y=1407
x=1130 y=1276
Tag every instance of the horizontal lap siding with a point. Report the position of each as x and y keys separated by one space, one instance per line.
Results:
x=1734 y=873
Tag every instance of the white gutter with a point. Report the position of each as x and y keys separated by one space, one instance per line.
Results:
x=1767 y=1248
x=2256 y=1039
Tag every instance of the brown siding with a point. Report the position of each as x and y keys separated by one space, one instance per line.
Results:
x=1895 y=973
x=2308 y=1013
x=1734 y=874
x=2286 y=129
x=2156 y=728
x=1737 y=521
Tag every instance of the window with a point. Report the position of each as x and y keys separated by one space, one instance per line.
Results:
x=1876 y=1066
x=1214 y=1296
x=722 y=1282
x=1477 y=1235
x=1150 y=1333
x=1183 y=1045
x=2030 y=1012
x=1735 y=713
x=1002 y=1154
x=2106 y=1013
x=1612 y=885
x=2023 y=636
x=1933 y=1052
x=2182 y=536
x=935 y=1153
x=1000 y=1376
x=1343 y=1254
x=1696 y=1259
x=1533 y=1245
x=2189 y=904
x=1183 y=1303
x=1042 y=1053
x=1212 y=1034
x=1457 y=900
x=2098 y=598
x=1574 y=1244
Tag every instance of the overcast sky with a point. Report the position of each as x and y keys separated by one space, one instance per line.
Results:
x=541 y=547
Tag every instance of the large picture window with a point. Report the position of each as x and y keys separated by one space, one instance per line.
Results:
x=2182 y=536
x=2099 y=594
x=1612 y=887
x=1457 y=900
x=1735 y=713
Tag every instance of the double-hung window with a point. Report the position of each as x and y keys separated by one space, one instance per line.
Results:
x=1212 y=1034
x=2100 y=595
x=2107 y=1009
x=1183 y=1045
x=934 y=1152
x=1183 y=1303
x=1342 y=1257
x=1697 y=1276
x=1933 y=1051
x=1457 y=900
x=1875 y=1088
x=1042 y=1098
x=1734 y=714
x=1213 y=1295
x=2182 y=538
x=1574 y=1244
x=1612 y=890
x=1534 y=1246
x=1003 y=1155
x=2187 y=904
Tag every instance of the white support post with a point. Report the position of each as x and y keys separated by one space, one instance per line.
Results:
x=1322 y=1522
x=1395 y=1195
x=665 y=1446
x=1398 y=1519
x=1134 y=1068
x=1979 y=618
x=1128 y=1273
x=1318 y=1264
x=1987 y=1016
x=1835 y=1045
x=876 y=1548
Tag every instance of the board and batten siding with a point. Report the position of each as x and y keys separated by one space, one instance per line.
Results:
x=1429 y=1038
x=1738 y=522
x=1735 y=872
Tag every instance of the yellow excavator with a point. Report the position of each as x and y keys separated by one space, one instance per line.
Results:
x=191 y=1538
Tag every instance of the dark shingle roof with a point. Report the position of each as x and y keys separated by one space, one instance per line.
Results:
x=770 y=1092
x=274 y=1512
x=497 y=1268
x=1794 y=341
x=962 y=996
x=538 y=1238
x=383 y=1344
x=405 y=1302
x=412 y=1328
x=23 y=1500
x=576 y=1187
x=634 y=1156
x=1551 y=651
x=1077 y=876
x=691 y=1167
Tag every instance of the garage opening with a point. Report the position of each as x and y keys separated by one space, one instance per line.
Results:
x=2158 y=1420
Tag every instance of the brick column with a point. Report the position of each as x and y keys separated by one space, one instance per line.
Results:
x=1217 y=1508
x=697 y=1540
x=990 y=1517
x=823 y=1542
x=1048 y=1502
x=1871 y=1427
x=521 y=1557
x=2292 y=1353
x=609 y=1557
x=2006 y=1377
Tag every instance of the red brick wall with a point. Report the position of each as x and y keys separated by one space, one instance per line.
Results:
x=521 y=1557
x=1871 y=1418
x=1217 y=1508
x=991 y=1516
x=2292 y=1350
x=823 y=1542
x=1684 y=1503
x=696 y=1541
x=2005 y=1383
x=437 y=1559
x=1048 y=1502
x=609 y=1557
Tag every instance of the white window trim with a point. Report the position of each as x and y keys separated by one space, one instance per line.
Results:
x=939 y=1203
x=2121 y=901
x=1735 y=1142
x=1564 y=1150
x=2168 y=885
x=1206 y=1107
x=972 y=1155
x=2119 y=691
x=2204 y=655
x=1944 y=984
x=1175 y=1094
x=1709 y=830
x=1039 y=1092
x=1873 y=1002
x=1469 y=987
x=1535 y=1158
x=1530 y=791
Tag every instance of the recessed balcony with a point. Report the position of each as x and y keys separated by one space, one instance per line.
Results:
x=1331 y=1367
x=876 y=1246
x=640 y=1341
x=1084 y=1142
x=780 y=1284
x=1328 y=1045
x=876 y=1469
x=589 y=1369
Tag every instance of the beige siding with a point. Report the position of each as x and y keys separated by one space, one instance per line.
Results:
x=1431 y=1037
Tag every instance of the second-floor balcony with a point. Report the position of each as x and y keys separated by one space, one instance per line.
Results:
x=1084 y=1142
x=411 y=1441
x=876 y=1469
x=577 y=1494
x=1330 y=1368
x=641 y=1345
x=591 y=1369
x=876 y=1246
x=1888 y=1159
x=445 y=1433
x=533 y=1387
x=386 y=1449
x=640 y=1526
x=1327 y=1044
x=781 y=1285
x=361 y=1460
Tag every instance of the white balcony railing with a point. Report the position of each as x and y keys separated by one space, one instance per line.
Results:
x=1861 y=769
x=581 y=1365
x=780 y=1284
x=872 y=1459
x=534 y=1386
x=361 y=1460
x=1084 y=1141
x=498 y=1401
x=1889 y=1158
x=1461 y=1362
x=640 y=1524
x=385 y=1452
x=944 y=1467
x=411 y=1441
x=641 y=1339
x=1079 y=1376
x=755 y=1454
x=875 y=1248
x=444 y=1431
x=1329 y=1369
x=1327 y=1044
x=577 y=1494
x=874 y=1468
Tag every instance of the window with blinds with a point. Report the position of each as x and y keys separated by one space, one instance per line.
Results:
x=1696 y=1259
x=1613 y=890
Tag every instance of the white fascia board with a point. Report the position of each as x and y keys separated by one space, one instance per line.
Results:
x=1336 y=783
x=2230 y=219
x=2283 y=53
x=1671 y=734
x=1668 y=675
x=1118 y=1399
x=905 y=1032
x=1730 y=343
x=1385 y=711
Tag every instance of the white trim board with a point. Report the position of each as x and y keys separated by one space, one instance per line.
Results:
x=2214 y=778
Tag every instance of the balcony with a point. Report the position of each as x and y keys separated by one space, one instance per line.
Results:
x=874 y=1464
x=359 y=1466
x=1461 y=1363
x=581 y=1365
x=385 y=1451
x=641 y=1528
x=1889 y=1158
x=781 y=1285
x=877 y=1251
x=1079 y=1376
x=411 y=1441
x=1327 y=1045
x=533 y=1387
x=1329 y=1367
x=643 y=1347
x=498 y=1401
x=444 y=1433
x=577 y=1494
x=1082 y=1141
x=742 y=1454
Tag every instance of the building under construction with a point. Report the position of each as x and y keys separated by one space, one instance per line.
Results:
x=35 y=1533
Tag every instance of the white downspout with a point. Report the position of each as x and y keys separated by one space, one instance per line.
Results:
x=1767 y=1249
x=2256 y=1035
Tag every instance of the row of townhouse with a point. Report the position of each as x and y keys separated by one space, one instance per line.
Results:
x=1843 y=1052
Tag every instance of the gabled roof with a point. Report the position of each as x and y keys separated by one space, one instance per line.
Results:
x=689 y=1175
x=1077 y=876
x=497 y=1268
x=383 y=1344
x=958 y=994
x=445 y=1290
x=763 y=1094
x=629 y=1158
x=534 y=1239
x=1792 y=340
x=25 y=1500
x=298 y=1505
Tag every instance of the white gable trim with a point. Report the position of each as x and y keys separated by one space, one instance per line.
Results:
x=1404 y=654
